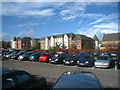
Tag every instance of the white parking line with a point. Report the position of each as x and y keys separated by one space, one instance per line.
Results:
x=92 y=67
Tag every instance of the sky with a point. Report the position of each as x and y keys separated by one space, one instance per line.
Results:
x=41 y=19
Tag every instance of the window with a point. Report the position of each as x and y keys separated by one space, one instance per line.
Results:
x=21 y=78
x=78 y=47
x=78 y=41
x=8 y=83
x=73 y=42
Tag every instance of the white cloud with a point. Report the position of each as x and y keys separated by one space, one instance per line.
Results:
x=24 y=9
x=28 y=24
x=105 y=18
x=29 y=33
x=108 y=26
x=99 y=30
x=6 y=36
x=107 y=31
x=72 y=10
x=60 y=0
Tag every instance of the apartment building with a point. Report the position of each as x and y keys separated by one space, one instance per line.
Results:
x=67 y=39
x=25 y=42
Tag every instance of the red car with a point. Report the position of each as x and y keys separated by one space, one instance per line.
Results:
x=45 y=57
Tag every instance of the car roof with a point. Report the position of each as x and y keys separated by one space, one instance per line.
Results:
x=5 y=71
x=78 y=80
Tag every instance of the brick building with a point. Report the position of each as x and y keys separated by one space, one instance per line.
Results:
x=110 y=41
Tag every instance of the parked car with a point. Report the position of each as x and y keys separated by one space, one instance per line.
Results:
x=85 y=60
x=118 y=61
x=57 y=58
x=12 y=79
x=45 y=57
x=64 y=51
x=104 y=61
x=17 y=55
x=96 y=55
x=82 y=53
x=70 y=59
x=106 y=53
x=6 y=53
x=77 y=80
x=11 y=54
x=114 y=55
x=89 y=53
x=35 y=56
x=25 y=56
x=74 y=52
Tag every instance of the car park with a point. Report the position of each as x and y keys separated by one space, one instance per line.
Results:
x=25 y=56
x=45 y=57
x=13 y=79
x=77 y=80
x=35 y=56
x=104 y=61
x=57 y=58
x=70 y=59
x=85 y=60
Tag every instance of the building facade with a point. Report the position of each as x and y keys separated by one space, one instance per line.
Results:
x=67 y=39
x=110 y=41
x=23 y=43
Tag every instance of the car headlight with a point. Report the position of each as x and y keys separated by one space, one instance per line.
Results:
x=56 y=59
x=106 y=64
x=77 y=61
x=63 y=60
x=50 y=59
x=21 y=57
x=6 y=55
x=86 y=62
x=71 y=61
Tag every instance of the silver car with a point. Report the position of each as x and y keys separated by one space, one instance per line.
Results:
x=104 y=61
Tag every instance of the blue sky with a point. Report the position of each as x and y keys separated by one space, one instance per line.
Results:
x=40 y=19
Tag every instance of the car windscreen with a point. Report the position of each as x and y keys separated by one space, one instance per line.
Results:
x=44 y=55
x=57 y=55
x=19 y=53
x=70 y=56
x=84 y=57
x=103 y=58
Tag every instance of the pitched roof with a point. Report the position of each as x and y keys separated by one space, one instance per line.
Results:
x=81 y=37
x=57 y=36
x=111 y=37
x=95 y=38
x=14 y=39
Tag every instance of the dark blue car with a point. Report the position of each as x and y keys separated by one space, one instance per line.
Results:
x=77 y=80
x=85 y=60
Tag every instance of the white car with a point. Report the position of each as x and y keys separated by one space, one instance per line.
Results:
x=104 y=61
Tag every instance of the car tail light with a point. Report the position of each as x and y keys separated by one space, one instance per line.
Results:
x=32 y=57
